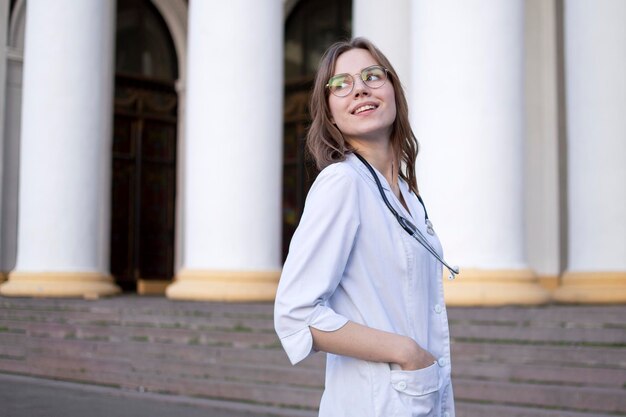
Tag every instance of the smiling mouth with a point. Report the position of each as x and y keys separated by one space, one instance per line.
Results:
x=364 y=108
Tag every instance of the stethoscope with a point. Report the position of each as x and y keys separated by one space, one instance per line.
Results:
x=409 y=227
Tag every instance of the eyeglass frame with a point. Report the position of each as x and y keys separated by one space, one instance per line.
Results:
x=360 y=73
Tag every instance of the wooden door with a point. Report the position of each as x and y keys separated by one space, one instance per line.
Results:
x=312 y=26
x=143 y=181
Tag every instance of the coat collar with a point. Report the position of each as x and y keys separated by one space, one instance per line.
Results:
x=356 y=163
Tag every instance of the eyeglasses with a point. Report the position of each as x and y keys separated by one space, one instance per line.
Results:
x=342 y=84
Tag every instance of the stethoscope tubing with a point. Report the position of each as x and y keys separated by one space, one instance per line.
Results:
x=409 y=227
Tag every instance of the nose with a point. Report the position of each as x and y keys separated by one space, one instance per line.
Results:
x=360 y=88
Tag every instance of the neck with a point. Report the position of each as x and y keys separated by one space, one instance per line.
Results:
x=381 y=156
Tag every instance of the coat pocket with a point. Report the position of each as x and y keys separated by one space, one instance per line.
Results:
x=418 y=390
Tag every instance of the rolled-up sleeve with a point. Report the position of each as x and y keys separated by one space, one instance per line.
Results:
x=317 y=257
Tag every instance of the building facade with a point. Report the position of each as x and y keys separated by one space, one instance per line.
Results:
x=156 y=145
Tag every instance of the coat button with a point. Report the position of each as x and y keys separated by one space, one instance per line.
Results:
x=438 y=308
x=401 y=385
x=442 y=361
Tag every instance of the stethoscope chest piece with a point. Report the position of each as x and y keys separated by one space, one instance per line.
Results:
x=429 y=227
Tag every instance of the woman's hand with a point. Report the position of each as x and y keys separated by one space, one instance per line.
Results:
x=413 y=357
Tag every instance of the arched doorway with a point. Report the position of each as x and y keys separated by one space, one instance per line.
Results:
x=144 y=148
x=312 y=26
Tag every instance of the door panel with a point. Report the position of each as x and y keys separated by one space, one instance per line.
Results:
x=158 y=184
x=143 y=182
x=122 y=199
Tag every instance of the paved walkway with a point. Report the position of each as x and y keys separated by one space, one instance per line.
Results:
x=33 y=397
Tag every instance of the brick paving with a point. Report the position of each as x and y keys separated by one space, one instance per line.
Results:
x=566 y=361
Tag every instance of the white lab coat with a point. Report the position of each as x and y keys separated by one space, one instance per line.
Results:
x=350 y=260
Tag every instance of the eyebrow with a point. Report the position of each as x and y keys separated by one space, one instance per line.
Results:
x=352 y=73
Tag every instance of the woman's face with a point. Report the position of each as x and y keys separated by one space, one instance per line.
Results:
x=366 y=114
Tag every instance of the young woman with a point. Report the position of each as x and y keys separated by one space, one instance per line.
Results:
x=356 y=284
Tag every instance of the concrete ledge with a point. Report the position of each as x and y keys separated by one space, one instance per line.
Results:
x=592 y=288
x=59 y=284
x=481 y=287
x=229 y=286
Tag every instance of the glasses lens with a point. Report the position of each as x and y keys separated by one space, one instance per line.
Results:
x=340 y=85
x=374 y=76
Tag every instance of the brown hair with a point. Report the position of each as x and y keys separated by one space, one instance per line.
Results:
x=325 y=142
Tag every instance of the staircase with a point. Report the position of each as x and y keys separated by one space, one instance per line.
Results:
x=566 y=361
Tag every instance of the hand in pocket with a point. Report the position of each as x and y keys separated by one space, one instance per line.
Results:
x=414 y=357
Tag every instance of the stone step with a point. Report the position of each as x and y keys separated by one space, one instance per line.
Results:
x=127 y=374
x=250 y=365
x=539 y=335
x=580 y=315
x=266 y=394
x=152 y=305
x=604 y=400
x=541 y=374
x=249 y=373
x=130 y=305
x=23 y=345
x=528 y=326
x=186 y=360
x=12 y=351
x=245 y=338
x=468 y=409
x=564 y=355
x=563 y=316
x=198 y=322
x=520 y=362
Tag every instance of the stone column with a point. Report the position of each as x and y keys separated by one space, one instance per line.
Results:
x=595 y=64
x=63 y=226
x=544 y=188
x=467 y=113
x=372 y=22
x=4 y=23
x=232 y=199
x=11 y=136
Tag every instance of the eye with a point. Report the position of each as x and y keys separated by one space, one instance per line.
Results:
x=373 y=74
x=339 y=82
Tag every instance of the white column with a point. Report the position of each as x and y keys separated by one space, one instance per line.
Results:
x=11 y=136
x=371 y=21
x=467 y=113
x=4 y=23
x=542 y=176
x=63 y=229
x=233 y=152
x=595 y=59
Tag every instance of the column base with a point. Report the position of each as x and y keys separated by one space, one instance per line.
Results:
x=549 y=282
x=59 y=284
x=482 y=287
x=152 y=287
x=592 y=288
x=229 y=286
